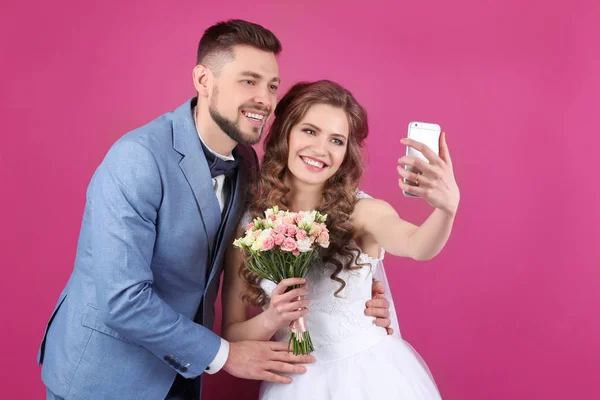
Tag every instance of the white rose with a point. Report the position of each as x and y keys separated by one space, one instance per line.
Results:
x=304 y=245
x=266 y=233
x=258 y=244
x=248 y=240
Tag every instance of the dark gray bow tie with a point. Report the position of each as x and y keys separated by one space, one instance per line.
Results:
x=219 y=166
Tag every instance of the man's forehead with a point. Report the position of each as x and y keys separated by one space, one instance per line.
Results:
x=251 y=59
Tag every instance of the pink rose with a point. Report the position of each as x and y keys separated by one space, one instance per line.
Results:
x=323 y=239
x=292 y=230
x=273 y=217
x=250 y=226
x=296 y=252
x=282 y=229
x=289 y=244
x=316 y=231
x=288 y=219
x=301 y=235
x=257 y=233
x=268 y=243
x=299 y=218
x=279 y=238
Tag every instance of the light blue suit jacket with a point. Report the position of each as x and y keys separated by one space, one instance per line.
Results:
x=139 y=305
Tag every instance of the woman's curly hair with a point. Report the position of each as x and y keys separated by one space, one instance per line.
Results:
x=339 y=194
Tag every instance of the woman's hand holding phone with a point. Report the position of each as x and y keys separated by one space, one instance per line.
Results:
x=433 y=181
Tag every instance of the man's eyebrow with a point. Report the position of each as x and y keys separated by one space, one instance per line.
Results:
x=259 y=76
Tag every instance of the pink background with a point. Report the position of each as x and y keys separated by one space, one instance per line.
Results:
x=509 y=310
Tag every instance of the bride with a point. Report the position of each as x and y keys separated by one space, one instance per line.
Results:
x=313 y=161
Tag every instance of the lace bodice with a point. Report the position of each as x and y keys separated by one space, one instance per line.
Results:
x=333 y=318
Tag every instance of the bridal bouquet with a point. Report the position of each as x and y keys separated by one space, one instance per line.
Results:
x=282 y=245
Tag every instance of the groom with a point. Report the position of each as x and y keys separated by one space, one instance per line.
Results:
x=134 y=320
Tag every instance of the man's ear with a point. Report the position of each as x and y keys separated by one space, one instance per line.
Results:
x=203 y=80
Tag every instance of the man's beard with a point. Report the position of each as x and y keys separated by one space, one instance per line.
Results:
x=230 y=127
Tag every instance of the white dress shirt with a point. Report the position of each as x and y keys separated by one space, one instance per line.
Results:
x=222 y=193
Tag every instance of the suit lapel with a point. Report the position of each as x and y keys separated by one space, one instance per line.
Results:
x=195 y=169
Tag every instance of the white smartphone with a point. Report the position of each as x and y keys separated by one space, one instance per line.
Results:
x=426 y=133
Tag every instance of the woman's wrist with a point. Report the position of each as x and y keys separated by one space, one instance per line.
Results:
x=269 y=326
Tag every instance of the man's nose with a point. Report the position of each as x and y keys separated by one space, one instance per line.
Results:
x=263 y=97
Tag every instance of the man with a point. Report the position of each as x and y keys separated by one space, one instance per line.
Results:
x=134 y=319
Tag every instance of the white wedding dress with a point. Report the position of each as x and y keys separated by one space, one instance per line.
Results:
x=355 y=359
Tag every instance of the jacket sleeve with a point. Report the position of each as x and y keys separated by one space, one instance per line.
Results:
x=126 y=194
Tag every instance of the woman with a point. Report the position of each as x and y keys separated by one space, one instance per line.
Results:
x=313 y=161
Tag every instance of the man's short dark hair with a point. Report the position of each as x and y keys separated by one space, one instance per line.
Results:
x=218 y=41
